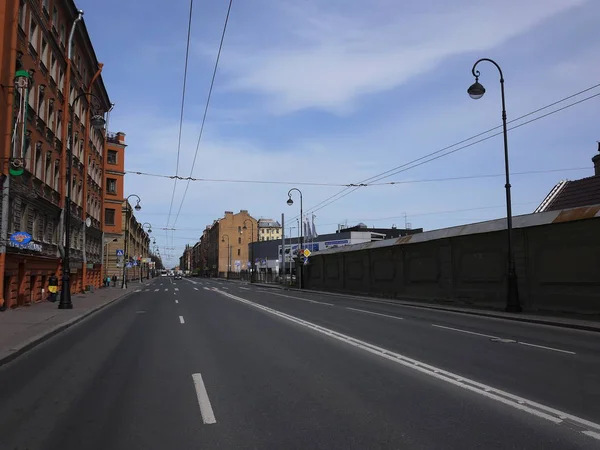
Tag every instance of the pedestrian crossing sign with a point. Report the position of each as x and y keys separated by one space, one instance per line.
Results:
x=120 y=252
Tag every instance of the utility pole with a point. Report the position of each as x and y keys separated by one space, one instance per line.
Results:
x=282 y=246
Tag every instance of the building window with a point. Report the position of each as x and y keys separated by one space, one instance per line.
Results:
x=239 y=251
x=54 y=18
x=239 y=240
x=112 y=157
x=109 y=216
x=111 y=185
x=33 y=34
x=46 y=6
x=22 y=14
x=62 y=35
x=56 y=175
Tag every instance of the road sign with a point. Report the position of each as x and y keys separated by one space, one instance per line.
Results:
x=120 y=252
x=135 y=263
x=128 y=265
x=307 y=253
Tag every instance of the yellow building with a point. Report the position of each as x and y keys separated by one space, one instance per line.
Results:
x=269 y=230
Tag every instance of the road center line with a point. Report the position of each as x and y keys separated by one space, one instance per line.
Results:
x=208 y=416
x=176 y=289
x=195 y=288
x=166 y=289
x=375 y=313
x=465 y=331
x=208 y=289
x=529 y=406
x=302 y=299
x=176 y=301
x=156 y=290
x=181 y=319
x=547 y=348
x=496 y=337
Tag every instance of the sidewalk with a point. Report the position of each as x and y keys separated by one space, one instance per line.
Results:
x=544 y=318
x=25 y=327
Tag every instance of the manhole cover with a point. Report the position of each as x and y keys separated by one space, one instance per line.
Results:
x=504 y=341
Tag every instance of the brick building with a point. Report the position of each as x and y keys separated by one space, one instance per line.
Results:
x=138 y=245
x=226 y=243
x=35 y=130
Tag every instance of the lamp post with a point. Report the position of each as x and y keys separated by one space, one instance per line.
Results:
x=476 y=91
x=96 y=121
x=126 y=254
x=290 y=202
x=245 y=227
x=148 y=267
x=228 y=253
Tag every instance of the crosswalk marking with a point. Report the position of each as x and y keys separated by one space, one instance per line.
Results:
x=156 y=290
x=176 y=289
x=166 y=289
x=138 y=290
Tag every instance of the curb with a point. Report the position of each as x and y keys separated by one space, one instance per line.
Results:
x=42 y=337
x=458 y=310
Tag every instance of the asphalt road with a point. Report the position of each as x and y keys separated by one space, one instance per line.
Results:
x=202 y=364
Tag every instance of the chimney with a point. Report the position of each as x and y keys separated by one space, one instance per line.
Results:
x=596 y=161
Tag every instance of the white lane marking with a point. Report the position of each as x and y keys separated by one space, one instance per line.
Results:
x=592 y=434
x=176 y=301
x=225 y=287
x=208 y=289
x=302 y=299
x=166 y=289
x=146 y=290
x=181 y=319
x=245 y=288
x=529 y=406
x=195 y=288
x=138 y=290
x=176 y=289
x=506 y=340
x=208 y=416
x=465 y=331
x=547 y=348
x=375 y=313
x=156 y=290
x=161 y=284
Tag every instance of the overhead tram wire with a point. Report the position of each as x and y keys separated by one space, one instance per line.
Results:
x=185 y=70
x=350 y=185
x=348 y=190
x=212 y=83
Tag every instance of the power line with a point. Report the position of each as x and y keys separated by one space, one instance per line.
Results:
x=187 y=54
x=419 y=161
x=212 y=83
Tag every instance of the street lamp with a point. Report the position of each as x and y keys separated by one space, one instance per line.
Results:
x=148 y=268
x=126 y=254
x=228 y=253
x=290 y=202
x=245 y=227
x=476 y=91
x=97 y=121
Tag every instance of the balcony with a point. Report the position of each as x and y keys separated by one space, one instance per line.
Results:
x=112 y=137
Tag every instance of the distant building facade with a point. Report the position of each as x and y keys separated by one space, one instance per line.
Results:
x=268 y=230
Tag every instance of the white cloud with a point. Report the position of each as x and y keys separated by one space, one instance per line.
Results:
x=335 y=52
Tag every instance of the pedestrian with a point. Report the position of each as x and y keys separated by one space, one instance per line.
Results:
x=52 y=288
x=114 y=280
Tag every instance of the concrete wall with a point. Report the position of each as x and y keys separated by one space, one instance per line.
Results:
x=558 y=265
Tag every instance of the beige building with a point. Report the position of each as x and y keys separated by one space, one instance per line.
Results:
x=269 y=230
x=138 y=247
x=227 y=243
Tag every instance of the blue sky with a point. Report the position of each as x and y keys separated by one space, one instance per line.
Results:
x=338 y=91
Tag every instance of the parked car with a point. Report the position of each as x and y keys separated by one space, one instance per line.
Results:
x=178 y=276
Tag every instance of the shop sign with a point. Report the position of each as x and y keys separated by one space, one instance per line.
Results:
x=22 y=240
